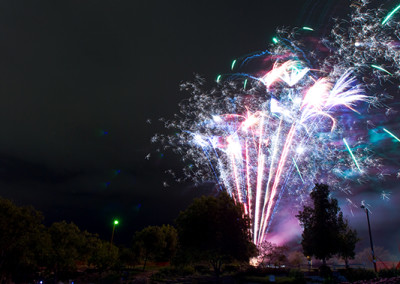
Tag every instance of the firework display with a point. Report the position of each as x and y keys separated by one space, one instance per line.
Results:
x=296 y=118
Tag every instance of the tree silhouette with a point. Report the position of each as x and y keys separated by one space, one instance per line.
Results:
x=347 y=240
x=214 y=229
x=21 y=240
x=325 y=232
x=156 y=243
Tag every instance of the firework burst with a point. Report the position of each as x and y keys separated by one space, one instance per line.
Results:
x=291 y=123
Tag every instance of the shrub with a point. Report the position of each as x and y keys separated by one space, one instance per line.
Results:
x=229 y=268
x=387 y=273
x=202 y=269
x=358 y=274
x=187 y=270
x=297 y=275
x=325 y=271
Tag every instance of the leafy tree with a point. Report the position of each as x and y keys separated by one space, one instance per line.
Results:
x=214 y=229
x=365 y=257
x=170 y=236
x=127 y=257
x=156 y=243
x=324 y=229
x=104 y=255
x=67 y=245
x=148 y=243
x=272 y=254
x=21 y=239
x=347 y=240
x=297 y=259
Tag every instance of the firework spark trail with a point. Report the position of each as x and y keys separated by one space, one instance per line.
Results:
x=297 y=168
x=391 y=134
x=387 y=18
x=249 y=187
x=352 y=155
x=249 y=129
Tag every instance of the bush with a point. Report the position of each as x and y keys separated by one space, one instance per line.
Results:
x=261 y=275
x=358 y=274
x=172 y=272
x=387 y=273
x=187 y=270
x=202 y=269
x=297 y=275
x=230 y=268
x=325 y=271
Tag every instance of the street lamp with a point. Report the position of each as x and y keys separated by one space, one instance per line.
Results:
x=370 y=236
x=116 y=222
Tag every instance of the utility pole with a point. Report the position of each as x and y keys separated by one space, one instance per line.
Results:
x=116 y=222
x=370 y=237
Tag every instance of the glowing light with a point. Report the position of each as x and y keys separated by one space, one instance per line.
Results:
x=385 y=195
x=217 y=118
x=275 y=40
x=219 y=78
x=308 y=29
x=199 y=140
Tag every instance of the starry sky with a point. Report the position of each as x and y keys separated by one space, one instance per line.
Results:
x=81 y=80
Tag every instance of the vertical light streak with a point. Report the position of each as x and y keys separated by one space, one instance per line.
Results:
x=235 y=173
x=260 y=171
x=249 y=189
x=282 y=162
x=352 y=155
x=271 y=170
x=391 y=134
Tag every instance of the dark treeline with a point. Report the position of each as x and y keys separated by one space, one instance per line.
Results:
x=29 y=248
x=212 y=230
x=212 y=236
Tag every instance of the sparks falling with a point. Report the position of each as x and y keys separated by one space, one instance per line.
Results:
x=283 y=127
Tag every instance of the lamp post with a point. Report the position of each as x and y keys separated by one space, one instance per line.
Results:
x=116 y=222
x=370 y=237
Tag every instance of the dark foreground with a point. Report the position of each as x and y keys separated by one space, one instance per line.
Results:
x=156 y=274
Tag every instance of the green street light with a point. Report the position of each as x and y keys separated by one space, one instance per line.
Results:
x=116 y=222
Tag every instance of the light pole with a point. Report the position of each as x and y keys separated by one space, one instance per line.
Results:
x=116 y=222
x=370 y=236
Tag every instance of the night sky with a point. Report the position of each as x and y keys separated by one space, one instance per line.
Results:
x=80 y=80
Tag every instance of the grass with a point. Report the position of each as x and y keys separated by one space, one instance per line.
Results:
x=265 y=279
